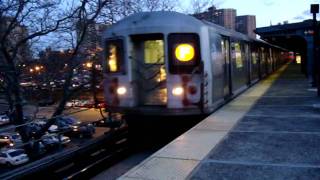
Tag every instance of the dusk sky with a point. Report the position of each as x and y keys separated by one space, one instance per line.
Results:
x=274 y=11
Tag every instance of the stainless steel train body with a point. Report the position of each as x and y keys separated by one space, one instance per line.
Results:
x=167 y=63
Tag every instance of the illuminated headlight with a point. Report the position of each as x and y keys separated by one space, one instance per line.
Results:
x=177 y=91
x=11 y=144
x=75 y=128
x=121 y=90
x=184 y=52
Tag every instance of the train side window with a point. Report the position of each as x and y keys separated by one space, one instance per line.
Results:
x=263 y=58
x=238 y=57
x=254 y=56
x=225 y=49
x=114 y=56
x=3 y=155
x=184 y=52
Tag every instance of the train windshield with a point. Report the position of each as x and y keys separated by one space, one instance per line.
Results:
x=114 y=56
x=153 y=52
x=184 y=52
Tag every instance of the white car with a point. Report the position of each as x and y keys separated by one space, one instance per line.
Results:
x=65 y=140
x=55 y=138
x=53 y=128
x=13 y=137
x=69 y=104
x=13 y=157
x=4 y=119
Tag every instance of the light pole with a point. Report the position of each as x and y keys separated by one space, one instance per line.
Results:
x=314 y=10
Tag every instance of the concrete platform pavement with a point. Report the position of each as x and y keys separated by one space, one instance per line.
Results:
x=272 y=131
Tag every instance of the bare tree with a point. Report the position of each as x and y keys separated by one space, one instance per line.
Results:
x=28 y=23
x=118 y=9
x=159 y=5
x=37 y=19
x=198 y=6
x=22 y=21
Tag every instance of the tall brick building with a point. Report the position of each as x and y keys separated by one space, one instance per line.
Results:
x=246 y=24
x=228 y=18
x=222 y=17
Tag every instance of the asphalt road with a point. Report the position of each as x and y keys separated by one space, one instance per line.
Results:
x=84 y=115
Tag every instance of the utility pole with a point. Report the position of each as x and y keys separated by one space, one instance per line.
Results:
x=314 y=10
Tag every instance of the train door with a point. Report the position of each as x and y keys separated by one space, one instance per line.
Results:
x=225 y=46
x=149 y=69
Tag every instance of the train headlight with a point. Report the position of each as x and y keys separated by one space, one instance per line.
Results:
x=121 y=90
x=184 y=52
x=177 y=91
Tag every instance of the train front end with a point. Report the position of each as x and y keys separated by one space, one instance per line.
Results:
x=153 y=65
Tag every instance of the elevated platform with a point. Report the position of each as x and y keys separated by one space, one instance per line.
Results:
x=271 y=131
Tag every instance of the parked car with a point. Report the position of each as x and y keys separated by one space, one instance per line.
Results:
x=69 y=104
x=4 y=119
x=63 y=124
x=5 y=141
x=35 y=128
x=63 y=139
x=13 y=137
x=82 y=130
x=13 y=157
x=73 y=103
x=50 y=142
x=107 y=123
x=68 y=120
x=102 y=105
x=53 y=129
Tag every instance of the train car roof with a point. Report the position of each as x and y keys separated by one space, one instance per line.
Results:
x=227 y=32
x=169 y=20
x=159 y=19
x=166 y=20
x=231 y=33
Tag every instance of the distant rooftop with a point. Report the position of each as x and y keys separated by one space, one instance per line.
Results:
x=282 y=27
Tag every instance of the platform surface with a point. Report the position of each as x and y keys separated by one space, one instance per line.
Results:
x=271 y=131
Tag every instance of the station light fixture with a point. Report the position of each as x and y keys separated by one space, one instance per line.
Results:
x=75 y=128
x=89 y=64
x=184 y=52
x=121 y=90
x=37 y=68
x=298 y=59
x=177 y=91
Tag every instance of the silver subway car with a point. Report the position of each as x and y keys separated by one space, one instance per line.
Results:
x=167 y=63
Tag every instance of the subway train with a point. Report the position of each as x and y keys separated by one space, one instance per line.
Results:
x=168 y=63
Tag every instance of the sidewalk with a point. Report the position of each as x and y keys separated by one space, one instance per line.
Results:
x=272 y=131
